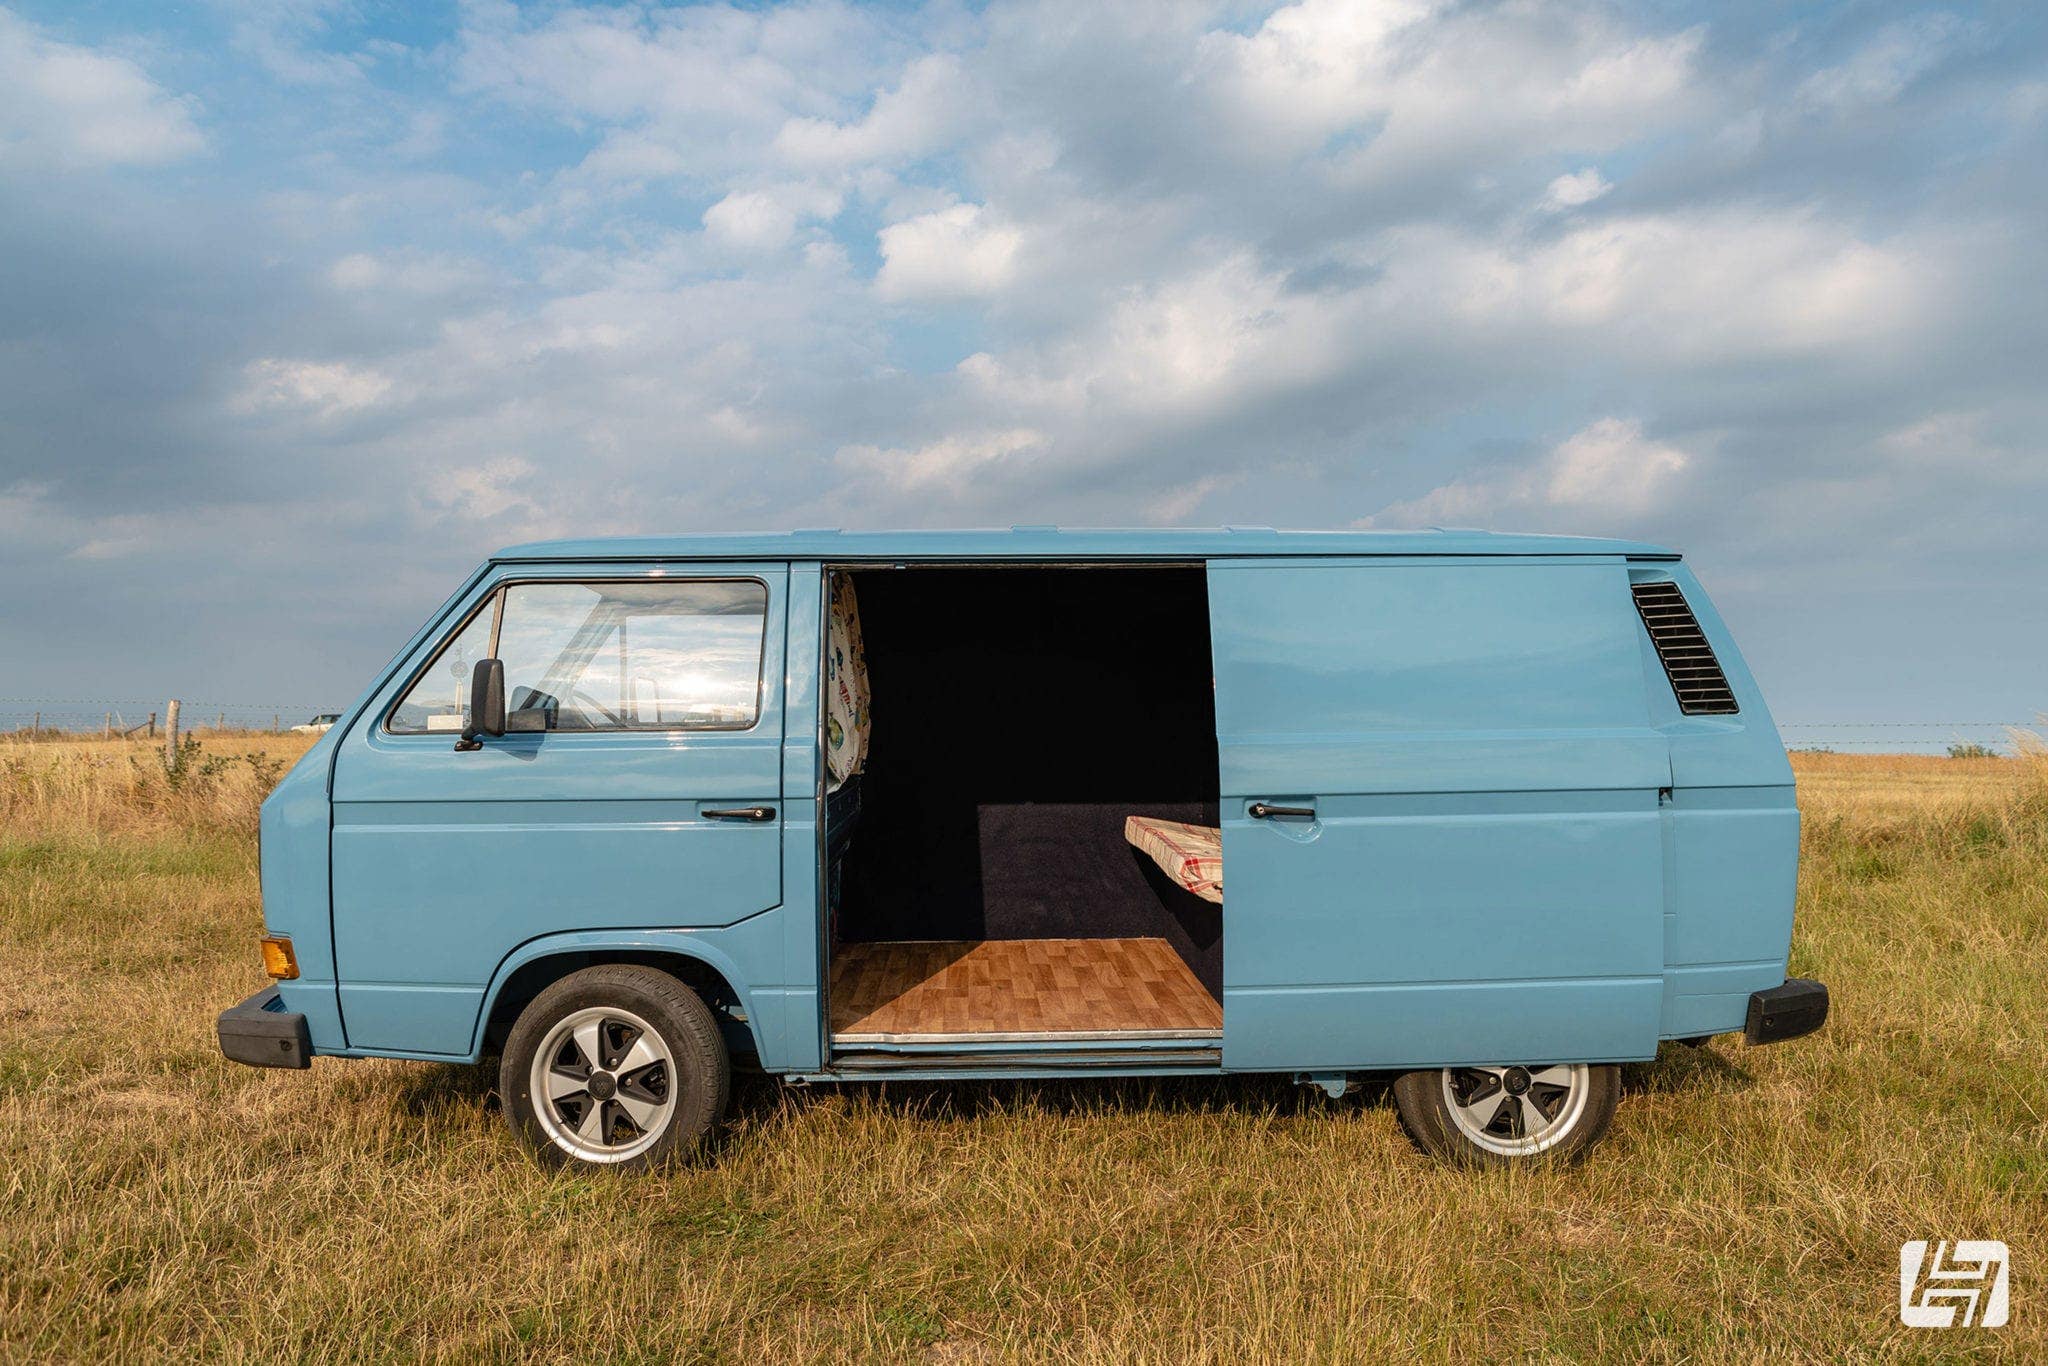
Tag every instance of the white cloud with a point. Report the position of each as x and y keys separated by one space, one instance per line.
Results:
x=954 y=253
x=1964 y=445
x=763 y=220
x=281 y=35
x=416 y=273
x=1880 y=70
x=323 y=389
x=633 y=156
x=1226 y=333
x=1178 y=501
x=24 y=509
x=357 y=270
x=71 y=106
x=486 y=490
x=1610 y=467
x=1606 y=474
x=1426 y=84
x=426 y=135
x=933 y=105
x=751 y=220
x=1316 y=67
x=35 y=521
x=1726 y=282
x=1748 y=277
x=949 y=464
x=690 y=90
x=1575 y=190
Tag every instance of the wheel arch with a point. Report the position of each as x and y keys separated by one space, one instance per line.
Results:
x=535 y=966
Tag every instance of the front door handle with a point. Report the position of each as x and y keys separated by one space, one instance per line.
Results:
x=1260 y=811
x=741 y=813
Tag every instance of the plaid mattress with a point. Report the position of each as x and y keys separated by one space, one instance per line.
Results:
x=1191 y=855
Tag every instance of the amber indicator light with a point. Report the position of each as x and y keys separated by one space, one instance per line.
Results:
x=278 y=959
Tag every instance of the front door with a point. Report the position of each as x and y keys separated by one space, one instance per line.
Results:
x=651 y=798
x=1440 y=803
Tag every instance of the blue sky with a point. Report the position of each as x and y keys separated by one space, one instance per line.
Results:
x=306 y=306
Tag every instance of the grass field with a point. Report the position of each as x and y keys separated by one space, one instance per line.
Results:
x=158 y=1202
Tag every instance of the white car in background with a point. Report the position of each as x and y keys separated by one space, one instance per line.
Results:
x=318 y=725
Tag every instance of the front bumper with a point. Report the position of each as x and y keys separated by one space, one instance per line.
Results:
x=262 y=1033
x=1797 y=1008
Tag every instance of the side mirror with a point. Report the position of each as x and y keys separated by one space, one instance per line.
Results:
x=486 y=703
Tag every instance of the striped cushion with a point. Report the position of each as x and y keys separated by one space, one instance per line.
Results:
x=1191 y=855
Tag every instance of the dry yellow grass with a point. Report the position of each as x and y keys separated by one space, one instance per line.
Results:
x=1874 y=787
x=96 y=788
x=157 y=1202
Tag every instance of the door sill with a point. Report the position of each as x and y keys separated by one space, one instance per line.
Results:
x=1059 y=1037
x=991 y=1061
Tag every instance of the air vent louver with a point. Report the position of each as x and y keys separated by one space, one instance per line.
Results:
x=1688 y=660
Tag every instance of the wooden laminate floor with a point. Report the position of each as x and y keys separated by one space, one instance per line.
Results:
x=1004 y=990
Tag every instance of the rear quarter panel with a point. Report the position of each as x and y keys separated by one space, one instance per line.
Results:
x=1731 y=839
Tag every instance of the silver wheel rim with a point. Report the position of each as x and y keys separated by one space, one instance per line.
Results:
x=1516 y=1111
x=603 y=1084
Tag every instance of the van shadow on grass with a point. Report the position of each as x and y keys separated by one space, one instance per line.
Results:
x=757 y=1097
x=435 y=1087
x=1677 y=1069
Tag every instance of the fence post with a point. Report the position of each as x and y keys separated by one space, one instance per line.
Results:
x=37 y=728
x=171 y=734
x=152 y=725
x=221 y=722
x=108 y=733
x=276 y=723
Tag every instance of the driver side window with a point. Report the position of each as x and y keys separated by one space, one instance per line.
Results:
x=645 y=655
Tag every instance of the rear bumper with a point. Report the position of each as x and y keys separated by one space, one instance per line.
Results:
x=262 y=1033
x=1797 y=1008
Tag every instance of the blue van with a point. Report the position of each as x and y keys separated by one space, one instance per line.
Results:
x=1494 y=813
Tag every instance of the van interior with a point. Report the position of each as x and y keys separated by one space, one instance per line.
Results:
x=983 y=883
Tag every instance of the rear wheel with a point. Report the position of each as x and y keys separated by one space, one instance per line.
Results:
x=1506 y=1116
x=616 y=1065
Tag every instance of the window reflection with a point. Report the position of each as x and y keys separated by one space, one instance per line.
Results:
x=611 y=657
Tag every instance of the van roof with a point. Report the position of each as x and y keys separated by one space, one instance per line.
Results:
x=1051 y=542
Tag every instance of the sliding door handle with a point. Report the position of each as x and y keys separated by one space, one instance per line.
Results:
x=1260 y=811
x=740 y=813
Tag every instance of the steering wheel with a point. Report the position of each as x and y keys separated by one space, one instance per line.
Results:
x=590 y=704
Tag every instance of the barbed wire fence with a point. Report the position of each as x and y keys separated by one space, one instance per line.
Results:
x=146 y=716
x=1962 y=738
x=110 y=716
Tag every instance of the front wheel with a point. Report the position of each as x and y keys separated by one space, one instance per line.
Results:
x=617 y=1065
x=1508 y=1116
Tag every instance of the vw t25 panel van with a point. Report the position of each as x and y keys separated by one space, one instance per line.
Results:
x=1494 y=813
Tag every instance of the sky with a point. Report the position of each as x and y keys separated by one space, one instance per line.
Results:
x=308 y=305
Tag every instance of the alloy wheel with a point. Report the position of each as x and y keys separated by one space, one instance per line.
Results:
x=603 y=1084
x=1516 y=1111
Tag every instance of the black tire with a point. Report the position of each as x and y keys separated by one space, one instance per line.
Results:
x=1537 y=1121
x=680 y=1094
